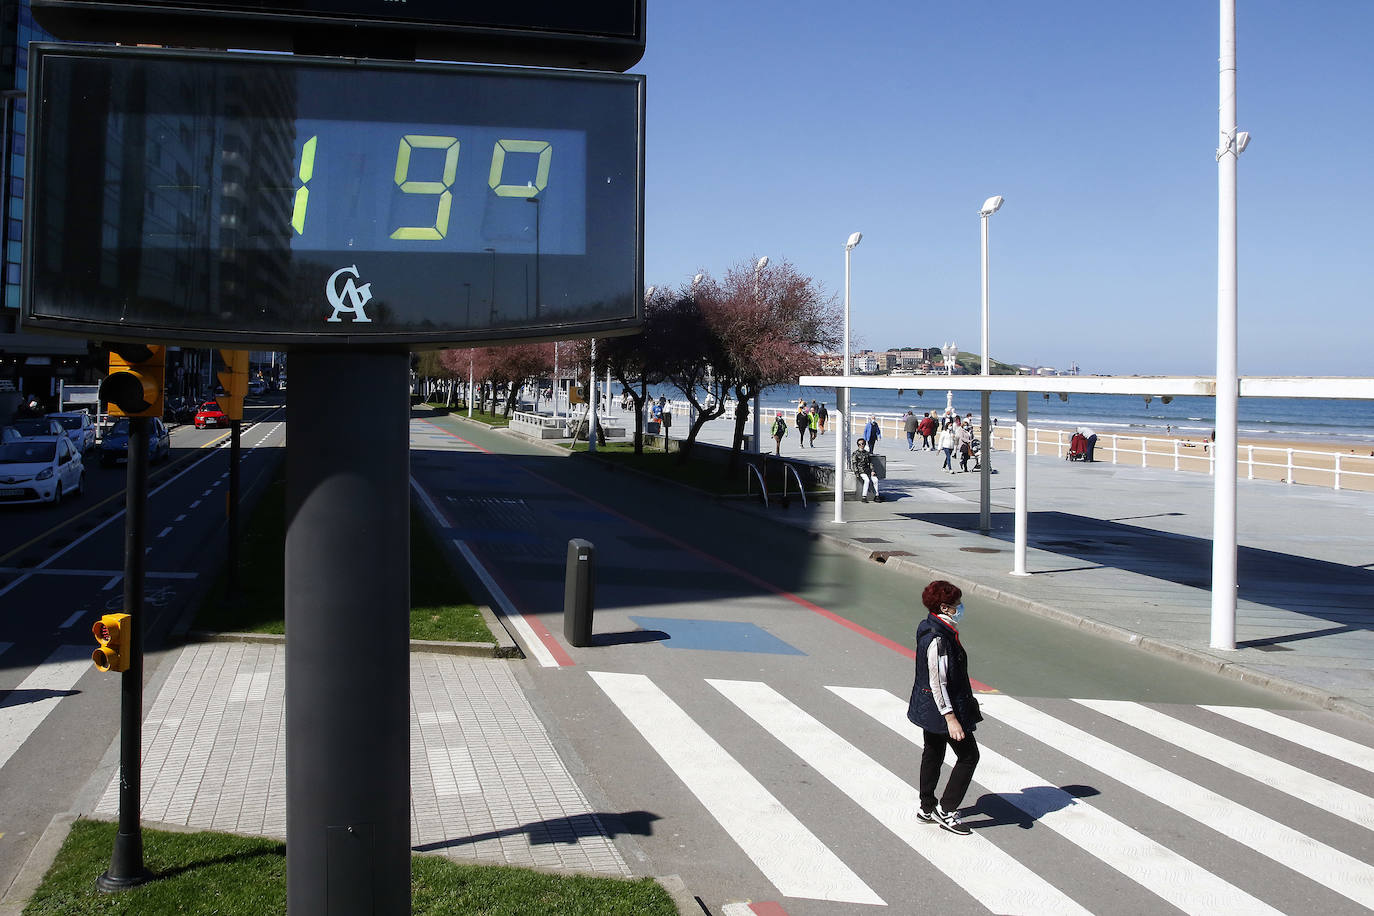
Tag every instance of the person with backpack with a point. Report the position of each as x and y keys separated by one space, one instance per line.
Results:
x=777 y=432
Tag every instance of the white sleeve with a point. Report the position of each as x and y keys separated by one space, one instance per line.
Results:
x=937 y=666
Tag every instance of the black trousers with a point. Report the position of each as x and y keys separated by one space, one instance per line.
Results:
x=966 y=754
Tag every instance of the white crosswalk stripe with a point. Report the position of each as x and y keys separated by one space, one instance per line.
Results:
x=1330 y=867
x=1342 y=749
x=1337 y=799
x=20 y=715
x=787 y=853
x=1158 y=869
x=794 y=859
x=975 y=864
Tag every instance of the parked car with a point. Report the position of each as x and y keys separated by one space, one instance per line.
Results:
x=9 y=434
x=40 y=469
x=178 y=410
x=115 y=447
x=29 y=427
x=210 y=415
x=79 y=427
x=257 y=387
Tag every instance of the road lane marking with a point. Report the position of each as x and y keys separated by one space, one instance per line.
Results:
x=114 y=580
x=1343 y=749
x=164 y=532
x=1302 y=785
x=511 y=614
x=194 y=504
x=5 y=647
x=206 y=493
x=789 y=855
x=1329 y=867
x=20 y=716
x=72 y=620
x=974 y=864
x=1158 y=869
x=180 y=518
x=62 y=571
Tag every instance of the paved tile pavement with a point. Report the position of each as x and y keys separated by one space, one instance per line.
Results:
x=487 y=784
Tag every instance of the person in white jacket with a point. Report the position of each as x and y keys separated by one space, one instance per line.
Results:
x=945 y=443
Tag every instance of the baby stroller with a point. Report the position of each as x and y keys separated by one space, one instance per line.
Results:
x=1078 y=448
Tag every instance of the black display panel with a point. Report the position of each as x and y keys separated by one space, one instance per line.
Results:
x=596 y=34
x=287 y=201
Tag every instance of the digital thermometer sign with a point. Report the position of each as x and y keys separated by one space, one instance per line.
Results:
x=286 y=201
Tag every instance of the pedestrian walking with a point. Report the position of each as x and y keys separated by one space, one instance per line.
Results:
x=909 y=426
x=945 y=443
x=862 y=463
x=777 y=432
x=872 y=432
x=824 y=416
x=965 y=446
x=927 y=431
x=802 y=422
x=943 y=705
x=812 y=421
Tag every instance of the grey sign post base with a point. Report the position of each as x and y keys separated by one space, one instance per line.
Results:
x=347 y=634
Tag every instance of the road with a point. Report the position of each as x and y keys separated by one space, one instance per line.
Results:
x=60 y=569
x=740 y=719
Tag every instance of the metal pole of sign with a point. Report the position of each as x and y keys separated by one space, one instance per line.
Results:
x=126 y=861
x=348 y=655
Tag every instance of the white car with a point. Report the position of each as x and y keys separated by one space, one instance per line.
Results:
x=40 y=469
x=79 y=426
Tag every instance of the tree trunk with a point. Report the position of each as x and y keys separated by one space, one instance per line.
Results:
x=741 y=417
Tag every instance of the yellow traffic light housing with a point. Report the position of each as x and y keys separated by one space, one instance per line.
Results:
x=233 y=378
x=113 y=632
x=133 y=387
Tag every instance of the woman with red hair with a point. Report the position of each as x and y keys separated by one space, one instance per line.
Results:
x=942 y=703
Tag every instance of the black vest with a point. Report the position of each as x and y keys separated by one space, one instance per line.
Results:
x=922 y=710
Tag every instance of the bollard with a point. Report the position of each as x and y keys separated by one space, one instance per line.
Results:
x=579 y=586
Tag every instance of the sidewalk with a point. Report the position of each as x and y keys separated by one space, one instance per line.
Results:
x=1126 y=551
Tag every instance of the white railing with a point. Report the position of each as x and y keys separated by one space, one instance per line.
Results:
x=1339 y=470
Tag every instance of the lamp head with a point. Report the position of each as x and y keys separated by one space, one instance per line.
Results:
x=649 y=292
x=853 y=241
x=697 y=279
x=763 y=262
x=990 y=206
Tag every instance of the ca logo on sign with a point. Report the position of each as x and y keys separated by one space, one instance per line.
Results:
x=357 y=296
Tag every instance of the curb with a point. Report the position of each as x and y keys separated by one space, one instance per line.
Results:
x=36 y=866
x=504 y=647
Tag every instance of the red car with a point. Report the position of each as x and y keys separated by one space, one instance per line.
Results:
x=210 y=415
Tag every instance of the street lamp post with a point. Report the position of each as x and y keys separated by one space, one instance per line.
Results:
x=758 y=425
x=990 y=206
x=591 y=396
x=843 y=424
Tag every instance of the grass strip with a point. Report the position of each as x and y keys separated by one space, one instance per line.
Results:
x=491 y=419
x=227 y=875
x=440 y=608
x=707 y=476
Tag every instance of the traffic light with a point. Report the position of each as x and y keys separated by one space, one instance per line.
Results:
x=133 y=387
x=233 y=378
x=113 y=632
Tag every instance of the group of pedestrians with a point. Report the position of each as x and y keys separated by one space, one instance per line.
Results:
x=950 y=435
x=810 y=419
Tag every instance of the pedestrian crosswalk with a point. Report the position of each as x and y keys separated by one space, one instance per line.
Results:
x=1145 y=825
x=29 y=703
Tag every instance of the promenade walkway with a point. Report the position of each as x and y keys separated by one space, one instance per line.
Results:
x=1126 y=551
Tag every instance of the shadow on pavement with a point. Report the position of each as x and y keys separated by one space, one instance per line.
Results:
x=560 y=830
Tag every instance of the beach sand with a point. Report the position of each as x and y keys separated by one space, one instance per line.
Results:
x=1311 y=463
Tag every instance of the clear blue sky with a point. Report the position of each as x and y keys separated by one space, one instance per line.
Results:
x=778 y=128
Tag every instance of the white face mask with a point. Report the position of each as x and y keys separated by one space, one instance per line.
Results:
x=958 y=614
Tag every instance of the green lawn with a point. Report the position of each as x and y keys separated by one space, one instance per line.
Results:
x=707 y=476
x=440 y=607
x=226 y=875
x=491 y=419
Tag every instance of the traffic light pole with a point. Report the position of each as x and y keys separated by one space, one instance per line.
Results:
x=347 y=646
x=233 y=553
x=126 y=861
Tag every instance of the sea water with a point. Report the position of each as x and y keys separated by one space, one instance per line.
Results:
x=1345 y=421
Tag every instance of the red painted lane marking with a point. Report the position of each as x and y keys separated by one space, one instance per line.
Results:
x=735 y=570
x=768 y=908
